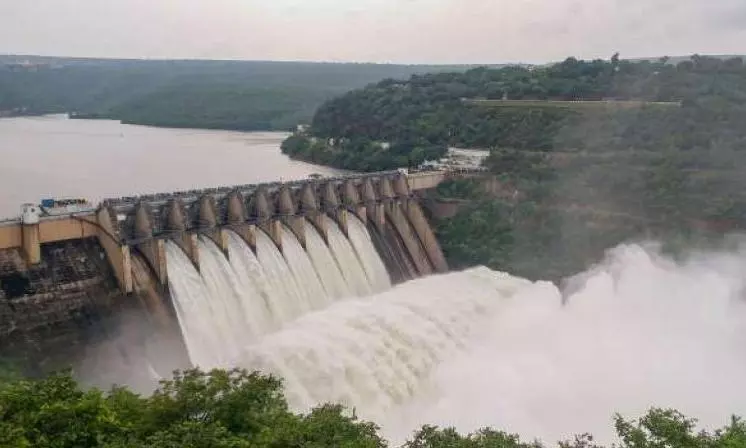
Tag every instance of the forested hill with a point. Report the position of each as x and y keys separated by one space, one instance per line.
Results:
x=572 y=180
x=236 y=95
x=420 y=116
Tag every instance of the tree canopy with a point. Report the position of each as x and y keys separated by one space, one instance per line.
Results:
x=237 y=95
x=237 y=409
x=453 y=109
x=575 y=177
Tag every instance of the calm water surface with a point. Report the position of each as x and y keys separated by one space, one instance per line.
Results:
x=56 y=157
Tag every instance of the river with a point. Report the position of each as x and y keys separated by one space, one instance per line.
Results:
x=54 y=156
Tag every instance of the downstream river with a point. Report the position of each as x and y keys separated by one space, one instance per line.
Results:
x=53 y=156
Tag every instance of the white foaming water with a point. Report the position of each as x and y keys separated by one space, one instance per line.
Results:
x=314 y=293
x=241 y=305
x=375 y=353
x=194 y=310
x=247 y=266
x=347 y=259
x=288 y=301
x=229 y=304
x=481 y=348
x=376 y=271
x=323 y=262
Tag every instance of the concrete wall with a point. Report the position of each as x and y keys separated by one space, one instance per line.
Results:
x=66 y=229
x=384 y=200
x=10 y=236
x=425 y=181
x=117 y=254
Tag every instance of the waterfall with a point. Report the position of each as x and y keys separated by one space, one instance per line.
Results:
x=366 y=252
x=325 y=265
x=314 y=294
x=481 y=348
x=164 y=347
x=233 y=301
x=200 y=326
x=375 y=352
x=251 y=275
x=288 y=301
x=218 y=313
x=241 y=304
x=347 y=260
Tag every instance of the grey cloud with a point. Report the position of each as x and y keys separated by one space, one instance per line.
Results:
x=447 y=31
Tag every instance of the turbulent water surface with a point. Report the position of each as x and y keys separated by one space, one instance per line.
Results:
x=468 y=349
x=482 y=348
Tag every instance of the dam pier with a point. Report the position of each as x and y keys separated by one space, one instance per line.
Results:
x=142 y=223
x=54 y=269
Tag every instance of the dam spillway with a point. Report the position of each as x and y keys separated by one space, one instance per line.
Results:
x=465 y=349
x=259 y=256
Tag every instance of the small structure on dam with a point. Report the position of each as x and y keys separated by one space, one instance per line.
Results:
x=58 y=268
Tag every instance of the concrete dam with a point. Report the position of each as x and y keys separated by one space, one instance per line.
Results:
x=140 y=274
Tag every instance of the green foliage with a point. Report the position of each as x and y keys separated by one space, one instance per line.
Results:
x=431 y=108
x=202 y=94
x=432 y=437
x=459 y=189
x=237 y=409
x=361 y=154
x=195 y=409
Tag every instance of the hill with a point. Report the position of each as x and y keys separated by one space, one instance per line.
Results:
x=239 y=95
x=661 y=157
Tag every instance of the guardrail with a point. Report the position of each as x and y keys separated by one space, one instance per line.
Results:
x=224 y=191
x=190 y=195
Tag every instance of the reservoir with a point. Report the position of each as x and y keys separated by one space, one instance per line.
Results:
x=53 y=156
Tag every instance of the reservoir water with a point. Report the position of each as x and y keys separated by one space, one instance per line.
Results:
x=53 y=156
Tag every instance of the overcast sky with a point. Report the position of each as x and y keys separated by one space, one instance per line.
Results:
x=410 y=31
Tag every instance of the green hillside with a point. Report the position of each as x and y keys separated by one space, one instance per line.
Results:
x=638 y=149
x=237 y=95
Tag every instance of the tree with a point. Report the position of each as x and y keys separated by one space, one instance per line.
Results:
x=220 y=409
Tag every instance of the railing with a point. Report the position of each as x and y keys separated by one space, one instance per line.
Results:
x=258 y=221
x=221 y=192
x=246 y=188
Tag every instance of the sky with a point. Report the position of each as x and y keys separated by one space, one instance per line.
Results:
x=399 y=31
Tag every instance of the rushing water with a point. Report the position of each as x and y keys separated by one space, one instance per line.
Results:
x=349 y=263
x=470 y=349
x=96 y=159
x=288 y=300
x=325 y=264
x=372 y=264
x=482 y=348
x=233 y=301
x=314 y=293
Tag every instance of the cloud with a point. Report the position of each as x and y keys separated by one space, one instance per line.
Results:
x=446 y=31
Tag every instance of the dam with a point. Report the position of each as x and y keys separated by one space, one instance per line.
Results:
x=251 y=256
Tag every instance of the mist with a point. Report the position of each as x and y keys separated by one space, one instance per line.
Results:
x=480 y=348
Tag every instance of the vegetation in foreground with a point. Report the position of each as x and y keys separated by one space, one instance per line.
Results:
x=234 y=409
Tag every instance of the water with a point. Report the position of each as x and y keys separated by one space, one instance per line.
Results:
x=482 y=348
x=228 y=305
x=347 y=259
x=314 y=295
x=192 y=304
x=324 y=263
x=288 y=300
x=243 y=308
x=96 y=159
x=251 y=275
x=217 y=312
x=374 y=268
